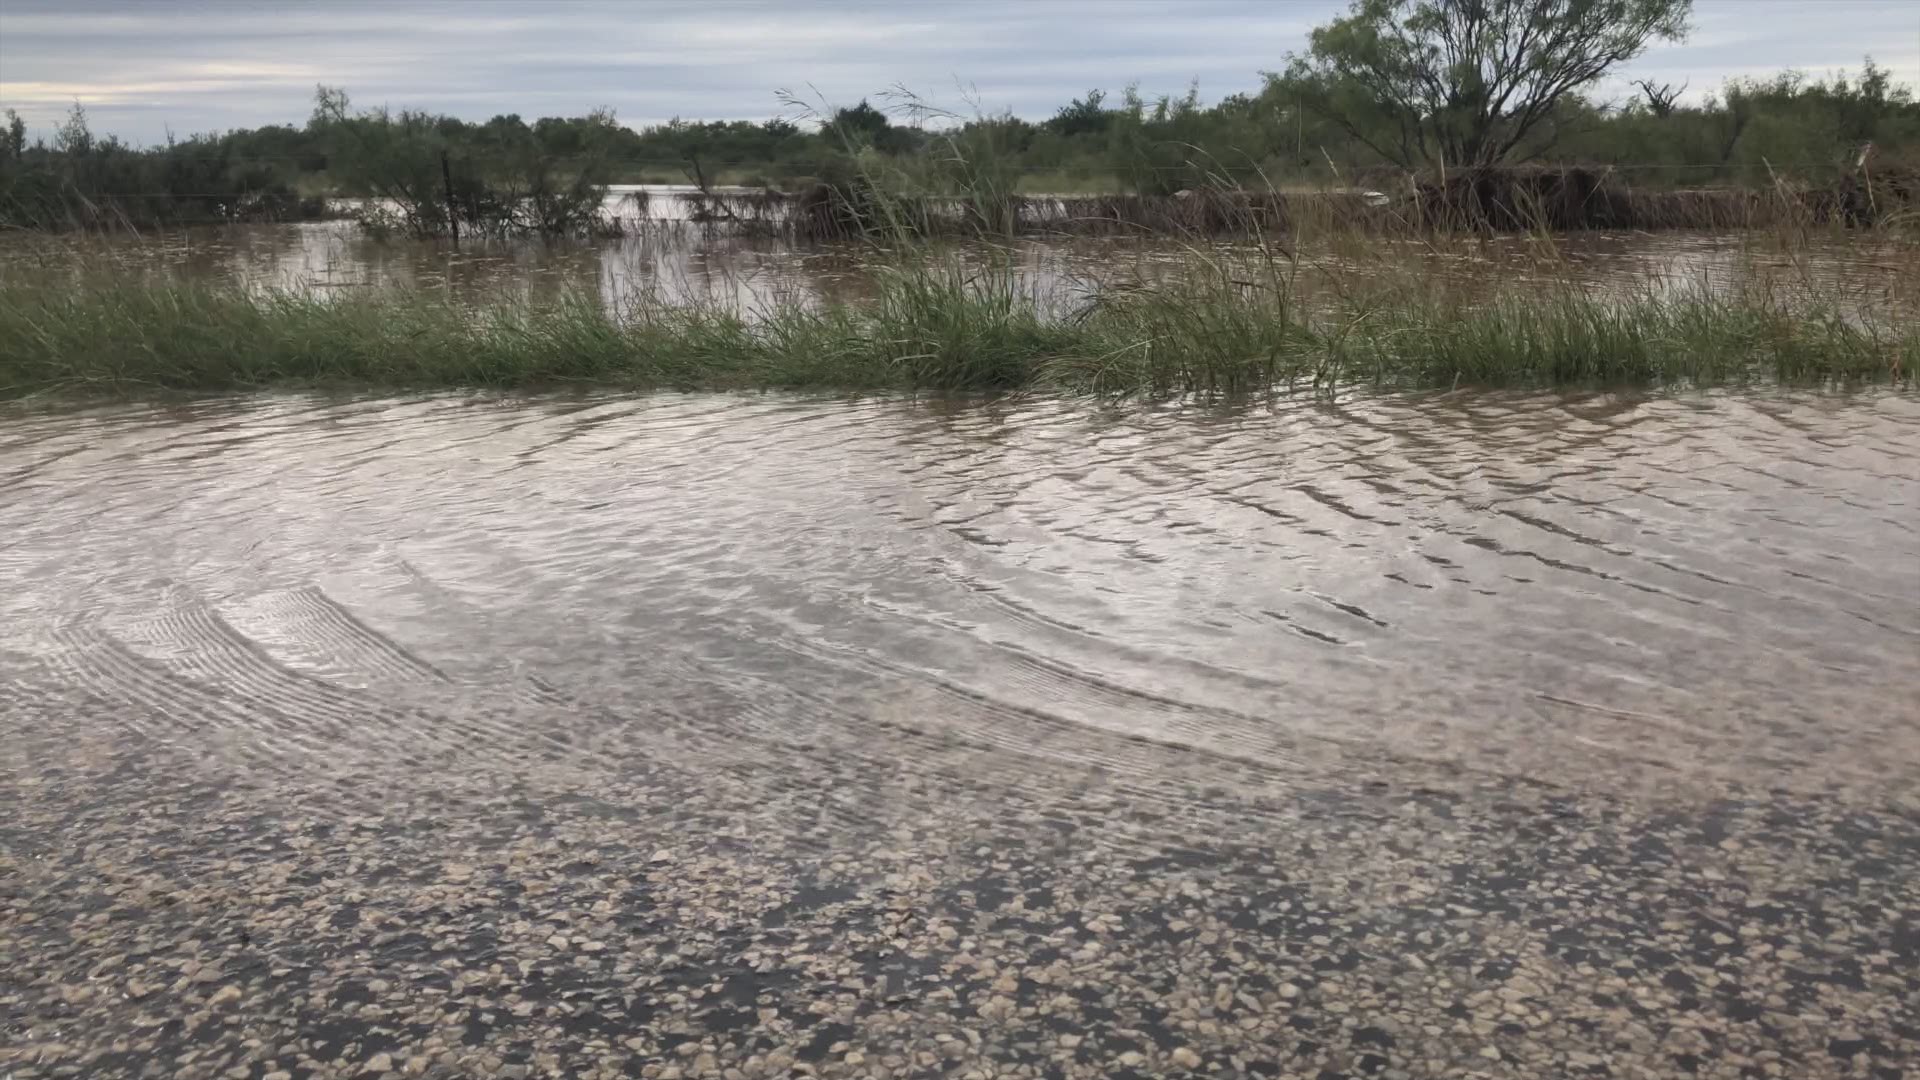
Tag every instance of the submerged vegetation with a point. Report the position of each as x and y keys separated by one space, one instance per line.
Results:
x=432 y=178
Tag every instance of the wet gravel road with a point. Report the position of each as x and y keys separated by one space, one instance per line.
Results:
x=167 y=915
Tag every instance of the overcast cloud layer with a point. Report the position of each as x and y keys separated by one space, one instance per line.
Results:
x=145 y=68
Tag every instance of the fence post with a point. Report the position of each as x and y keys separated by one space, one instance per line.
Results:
x=453 y=214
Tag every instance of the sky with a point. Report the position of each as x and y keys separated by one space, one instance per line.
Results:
x=144 y=68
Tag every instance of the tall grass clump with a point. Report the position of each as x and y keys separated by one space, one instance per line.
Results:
x=1210 y=334
x=923 y=329
x=931 y=325
x=952 y=329
x=1570 y=337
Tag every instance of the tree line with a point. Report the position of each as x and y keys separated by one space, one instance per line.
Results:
x=1394 y=87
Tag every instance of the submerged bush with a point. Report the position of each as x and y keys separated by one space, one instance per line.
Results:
x=89 y=181
x=437 y=175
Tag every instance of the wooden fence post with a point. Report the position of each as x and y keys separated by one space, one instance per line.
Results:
x=453 y=213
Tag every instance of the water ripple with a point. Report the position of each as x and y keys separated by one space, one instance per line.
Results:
x=1576 y=589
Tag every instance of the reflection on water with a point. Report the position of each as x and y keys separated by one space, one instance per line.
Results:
x=668 y=257
x=1710 y=589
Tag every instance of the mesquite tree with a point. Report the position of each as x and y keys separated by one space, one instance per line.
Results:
x=1463 y=83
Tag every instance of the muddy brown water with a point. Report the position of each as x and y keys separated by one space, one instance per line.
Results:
x=1668 y=593
x=666 y=258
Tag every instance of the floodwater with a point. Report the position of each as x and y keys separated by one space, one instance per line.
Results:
x=666 y=257
x=1573 y=589
x=1495 y=735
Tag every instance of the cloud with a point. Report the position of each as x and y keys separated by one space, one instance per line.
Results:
x=143 y=69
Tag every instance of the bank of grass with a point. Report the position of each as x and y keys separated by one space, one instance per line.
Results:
x=925 y=328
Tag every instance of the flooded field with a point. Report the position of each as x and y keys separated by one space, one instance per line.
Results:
x=666 y=257
x=1442 y=734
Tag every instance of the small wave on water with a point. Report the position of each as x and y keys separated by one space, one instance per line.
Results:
x=974 y=600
